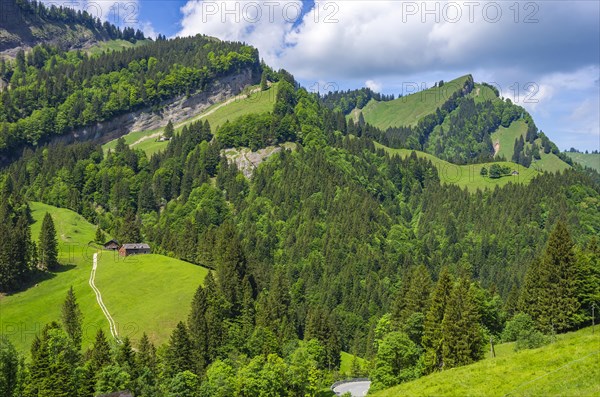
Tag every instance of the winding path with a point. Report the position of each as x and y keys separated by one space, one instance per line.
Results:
x=355 y=388
x=111 y=321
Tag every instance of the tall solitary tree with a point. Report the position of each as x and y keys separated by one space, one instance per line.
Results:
x=463 y=339
x=263 y=82
x=550 y=292
x=169 y=130
x=48 y=248
x=433 y=338
x=72 y=318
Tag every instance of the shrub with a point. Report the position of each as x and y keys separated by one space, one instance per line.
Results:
x=519 y=323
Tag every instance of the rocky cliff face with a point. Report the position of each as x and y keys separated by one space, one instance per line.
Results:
x=176 y=110
x=21 y=29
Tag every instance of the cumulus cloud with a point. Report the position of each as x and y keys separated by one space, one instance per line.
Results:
x=263 y=24
x=373 y=85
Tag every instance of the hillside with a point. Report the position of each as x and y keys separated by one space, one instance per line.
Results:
x=26 y=24
x=251 y=101
x=591 y=160
x=409 y=109
x=129 y=288
x=504 y=141
x=568 y=367
x=469 y=176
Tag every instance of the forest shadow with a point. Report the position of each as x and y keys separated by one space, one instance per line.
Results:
x=39 y=276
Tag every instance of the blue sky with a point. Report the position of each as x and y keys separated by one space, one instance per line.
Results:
x=549 y=47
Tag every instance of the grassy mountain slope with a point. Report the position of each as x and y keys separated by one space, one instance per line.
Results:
x=251 y=102
x=133 y=290
x=504 y=138
x=468 y=176
x=409 y=109
x=591 y=160
x=113 y=45
x=568 y=367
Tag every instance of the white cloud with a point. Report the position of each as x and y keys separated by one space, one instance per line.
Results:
x=263 y=24
x=373 y=85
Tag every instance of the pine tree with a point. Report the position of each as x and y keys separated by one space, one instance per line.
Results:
x=462 y=335
x=146 y=355
x=231 y=267
x=550 y=291
x=125 y=356
x=263 y=82
x=198 y=328
x=433 y=338
x=179 y=357
x=48 y=247
x=100 y=238
x=72 y=318
x=9 y=368
x=100 y=353
x=417 y=295
x=169 y=130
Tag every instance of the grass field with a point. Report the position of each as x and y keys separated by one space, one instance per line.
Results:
x=468 y=176
x=247 y=103
x=591 y=160
x=113 y=45
x=124 y=285
x=346 y=364
x=568 y=367
x=135 y=291
x=505 y=137
x=409 y=109
x=482 y=93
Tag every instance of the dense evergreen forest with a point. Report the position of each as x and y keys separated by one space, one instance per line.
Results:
x=51 y=92
x=335 y=246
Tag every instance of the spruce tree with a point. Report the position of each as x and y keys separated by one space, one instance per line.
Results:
x=9 y=368
x=146 y=355
x=169 y=130
x=417 y=295
x=433 y=337
x=462 y=335
x=48 y=247
x=100 y=353
x=100 y=237
x=179 y=357
x=198 y=328
x=263 y=82
x=550 y=291
x=72 y=318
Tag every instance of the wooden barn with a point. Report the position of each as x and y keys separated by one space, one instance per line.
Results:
x=112 y=245
x=134 y=249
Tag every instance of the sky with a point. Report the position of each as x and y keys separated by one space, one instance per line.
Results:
x=543 y=55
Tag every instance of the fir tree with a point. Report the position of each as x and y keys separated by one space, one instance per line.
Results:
x=198 y=329
x=9 y=368
x=100 y=353
x=179 y=357
x=146 y=355
x=48 y=247
x=417 y=295
x=100 y=238
x=263 y=82
x=550 y=292
x=169 y=130
x=433 y=337
x=462 y=335
x=72 y=318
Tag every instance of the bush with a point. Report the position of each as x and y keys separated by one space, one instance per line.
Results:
x=531 y=339
x=521 y=322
